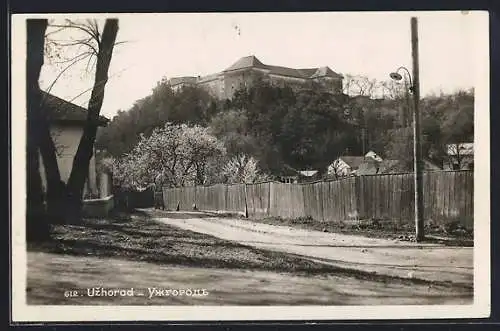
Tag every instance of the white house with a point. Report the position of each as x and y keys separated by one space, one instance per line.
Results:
x=348 y=165
x=66 y=127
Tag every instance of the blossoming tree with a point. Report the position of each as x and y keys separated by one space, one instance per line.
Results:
x=178 y=154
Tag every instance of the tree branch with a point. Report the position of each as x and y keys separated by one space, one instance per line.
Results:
x=59 y=75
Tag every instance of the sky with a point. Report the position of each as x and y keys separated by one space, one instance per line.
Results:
x=192 y=44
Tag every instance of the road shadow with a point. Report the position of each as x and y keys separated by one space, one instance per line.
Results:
x=142 y=239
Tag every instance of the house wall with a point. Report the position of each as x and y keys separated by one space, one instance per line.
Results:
x=339 y=168
x=105 y=185
x=66 y=139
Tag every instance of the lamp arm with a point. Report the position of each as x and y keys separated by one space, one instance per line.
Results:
x=408 y=72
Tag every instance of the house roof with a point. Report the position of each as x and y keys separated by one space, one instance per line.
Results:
x=308 y=173
x=60 y=110
x=372 y=167
x=353 y=161
x=373 y=155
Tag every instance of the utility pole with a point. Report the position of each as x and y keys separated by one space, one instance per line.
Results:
x=406 y=112
x=417 y=149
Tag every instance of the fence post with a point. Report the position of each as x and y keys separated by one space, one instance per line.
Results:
x=357 y=197
x=246 y=205
x=226 y=193
x=195 y=198
x=269 y=199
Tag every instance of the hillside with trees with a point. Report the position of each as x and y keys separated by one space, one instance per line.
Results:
x=265 y=128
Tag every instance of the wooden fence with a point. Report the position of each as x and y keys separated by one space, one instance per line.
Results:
x=448 y=196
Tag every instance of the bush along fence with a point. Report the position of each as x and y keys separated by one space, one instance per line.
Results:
x=131 y=199
x=448 y=197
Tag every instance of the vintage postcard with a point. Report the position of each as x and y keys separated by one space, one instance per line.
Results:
x=250 y=166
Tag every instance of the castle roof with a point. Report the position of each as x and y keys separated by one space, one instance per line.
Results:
x=325 y=72
x=253 y=62
x=284 y=71
x=182 y=80
x=208 y=78
x=246 y=62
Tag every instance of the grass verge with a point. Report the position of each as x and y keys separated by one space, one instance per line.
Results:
x=451 y=234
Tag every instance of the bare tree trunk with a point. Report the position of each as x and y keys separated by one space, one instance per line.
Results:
x=36 y=221
x=55 y=187
x=85 y=150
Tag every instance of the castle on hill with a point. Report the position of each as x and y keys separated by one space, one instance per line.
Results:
x=243 y=72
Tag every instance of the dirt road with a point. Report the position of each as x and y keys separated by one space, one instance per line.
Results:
x=431 y=262
x=51 y=275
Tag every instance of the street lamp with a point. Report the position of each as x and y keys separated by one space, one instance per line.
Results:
x=408 y=89
x=417 y=151
x=397 y=76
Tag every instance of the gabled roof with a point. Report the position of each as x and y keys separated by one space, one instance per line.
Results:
x=62 y=111
x=325 y=72
x=246 y=62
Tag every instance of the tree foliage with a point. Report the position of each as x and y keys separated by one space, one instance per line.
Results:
x=178 y=155
x=242 y=169
x=303 y=128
